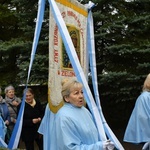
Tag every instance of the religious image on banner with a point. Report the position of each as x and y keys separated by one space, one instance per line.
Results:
x=75 y=36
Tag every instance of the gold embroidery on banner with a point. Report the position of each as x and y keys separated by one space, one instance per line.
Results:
x=73 y=6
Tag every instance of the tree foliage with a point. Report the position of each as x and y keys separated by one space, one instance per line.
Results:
x=122 y=46
x=122 y=53
x=18 y=22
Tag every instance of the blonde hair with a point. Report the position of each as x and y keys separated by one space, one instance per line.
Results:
x=146 y=86
x=69 y=85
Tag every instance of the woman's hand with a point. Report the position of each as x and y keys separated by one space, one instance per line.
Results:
x=108 y=145
x=15 y=103
x=6 y=122
x=13 y=120
x=36 y=120
x=39 y=119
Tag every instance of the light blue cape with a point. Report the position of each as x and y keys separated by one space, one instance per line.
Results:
x=3 y=130
x=59 y=131
x=47 y=129
x=138 y=128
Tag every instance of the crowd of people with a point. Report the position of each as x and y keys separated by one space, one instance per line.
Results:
x=73 y=126
x=74 y=116
x=33 y=114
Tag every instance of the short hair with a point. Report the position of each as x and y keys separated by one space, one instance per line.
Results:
x=28 y=90
x=146 y=86
x=9 y=87
x=68 y=85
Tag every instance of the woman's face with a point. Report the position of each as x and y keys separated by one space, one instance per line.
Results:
x=76 y=97
x=10 y=93
x=29 y=97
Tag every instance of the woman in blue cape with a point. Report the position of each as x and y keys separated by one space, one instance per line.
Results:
x=72 y=127
x=138 y=128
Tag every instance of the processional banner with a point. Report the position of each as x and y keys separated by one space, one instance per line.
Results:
x=75 y=16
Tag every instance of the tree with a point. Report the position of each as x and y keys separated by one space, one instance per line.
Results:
x=122 y=53
x=27 y=13
x=9 y=32
x=122 y=49
x=18 y=24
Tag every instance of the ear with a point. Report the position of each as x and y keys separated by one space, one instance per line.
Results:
x=66 y=99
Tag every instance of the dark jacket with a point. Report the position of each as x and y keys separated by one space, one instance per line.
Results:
x=29 y=129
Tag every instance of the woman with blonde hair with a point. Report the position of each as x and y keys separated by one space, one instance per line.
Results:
x=137 y=130
x=146 y=86
x=74 y=125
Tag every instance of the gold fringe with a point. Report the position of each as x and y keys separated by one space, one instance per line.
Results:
x=53 y=108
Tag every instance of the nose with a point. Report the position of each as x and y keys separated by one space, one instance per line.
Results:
x=81 y=94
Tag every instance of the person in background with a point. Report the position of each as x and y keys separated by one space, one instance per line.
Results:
x=12 y=102
x=33 y=114
x=137 y=130
x=4 y=112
